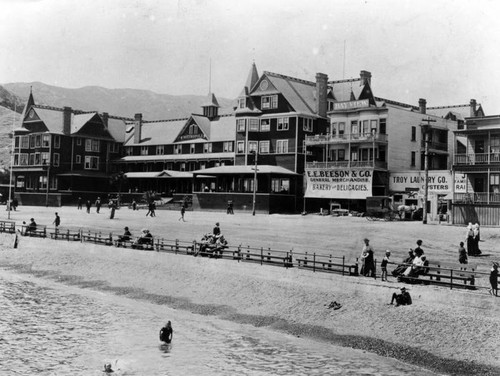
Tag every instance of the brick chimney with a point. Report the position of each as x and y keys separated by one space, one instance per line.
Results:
x=321 y=93
x=137 y=128
x=366 y=78
x=473 y=107
x=105 y=117
x=67 y=120
x=422 y=105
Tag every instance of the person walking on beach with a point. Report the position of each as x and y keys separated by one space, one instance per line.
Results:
x=134 y=205
x=384 y=263
x=401 y=299
x=183 y=210
x=470 y=240
x=494 y=279
x=151 y=209
x=98 y=205
x=88 y=204
x=79 y=204
x=57 y=222
x=216 y=230
x=166 y=333
x=369 y=269
x=462 y=254
x=477 y=238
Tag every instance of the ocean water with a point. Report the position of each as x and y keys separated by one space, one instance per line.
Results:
x=48 y=328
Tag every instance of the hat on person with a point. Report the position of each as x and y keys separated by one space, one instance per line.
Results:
x=419 y=242
x=387 y=252
x=217 y=224
x=126 y=228
x=403 y=288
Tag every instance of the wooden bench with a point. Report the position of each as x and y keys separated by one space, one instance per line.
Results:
x=98 y=238
x=8 y=226
x=174 y=246
x=327 y=264
x=147 y=246
x=123 y=243
x=40 y=231
x=66 y=235
x=445 y=274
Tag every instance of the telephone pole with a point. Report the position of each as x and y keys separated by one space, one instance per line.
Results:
x=426 y=127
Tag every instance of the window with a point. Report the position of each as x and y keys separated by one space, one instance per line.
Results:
x=341 y=129
x=38 y=140
x=265 y=125
x=240 y=125
x=57 y=142
x=78 y=159
x=160 y=149
x=177 y=149
x=91 y=163
x=282 y=124
x=495 y=183
x=90 y=144
x=412 y=163
x=42 y=182
x=365 y=127
x=334 y=129
x=32 y=141
x=129 y=150
x=269 y=101
x=23 y=159
x=382 y=126
x=354 y=127
x=144 y=150
x=248 y=185
x=264 y=147
x=240 y=147
x=308 y=125
x=25 y=141
x=242 y=102
x=193 y=129
x=16 y=159
x=113 y=147
x=183 y=166
x=281 y=146
x=280 y=185
x=53 y=182
x=354 y=155
x=228 y=146
x=46 y=140
x=79 y=141
x=373 y=126
x=32 y=159
x=253 y=125
x=56 y=159
x=341 y=155
x=192 y=148
x=20 y=181
x=37 y=159
x=252 y=146
x=45 y=158
x=414 y=133
x=207 y=147
x=203 y=165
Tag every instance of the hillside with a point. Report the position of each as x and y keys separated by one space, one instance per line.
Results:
x=120 y=102
x=7 y=117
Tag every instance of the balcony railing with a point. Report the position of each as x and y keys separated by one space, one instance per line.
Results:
x=477 y=158
x=345 y=138
x=436 y=145
x=347 y=164
x=476 y=198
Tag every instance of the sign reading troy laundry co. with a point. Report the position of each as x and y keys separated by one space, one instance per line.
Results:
x=350 y=105
x=438 y=182
x=339 y=183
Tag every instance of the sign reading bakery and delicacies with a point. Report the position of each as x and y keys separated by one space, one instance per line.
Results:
x=439 y=182
x=339 y=183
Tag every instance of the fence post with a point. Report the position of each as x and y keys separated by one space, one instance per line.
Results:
x=451 y=279
x=261 y=255
x=314 y=261
x=194 y=247
x=239 y=253
x=343 y=264
x=68 y=235
x=248 y=252
x=305 y=259
x=268 y=254
x=176 y=245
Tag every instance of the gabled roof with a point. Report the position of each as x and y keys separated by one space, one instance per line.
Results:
x=158 y=132
x=78 y=121
x=300 y=94
x=29 y=104
x=211 y=101
x=253 y=77
x=158 y=174
x=53 y=120
x=455 y=112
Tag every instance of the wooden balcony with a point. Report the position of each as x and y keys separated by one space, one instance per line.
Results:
x=347 y=164
x=346 y=138
x=476 y=158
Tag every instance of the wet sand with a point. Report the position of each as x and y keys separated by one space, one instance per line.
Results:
x=450 y=332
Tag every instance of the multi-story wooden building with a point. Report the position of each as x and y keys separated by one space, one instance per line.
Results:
x=60 y=153
x=476 y=166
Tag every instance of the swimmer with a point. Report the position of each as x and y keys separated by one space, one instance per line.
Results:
x=107 y=368
x=166 y=333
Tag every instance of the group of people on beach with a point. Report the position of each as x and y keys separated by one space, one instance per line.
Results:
x=212 y=243
x=473 y=237
x=145 y=238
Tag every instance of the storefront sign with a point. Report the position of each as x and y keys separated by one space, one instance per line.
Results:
x=339 y=183
x=351 y=105
x=439 y=182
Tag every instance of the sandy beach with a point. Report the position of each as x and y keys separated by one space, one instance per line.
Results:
x=447 y=331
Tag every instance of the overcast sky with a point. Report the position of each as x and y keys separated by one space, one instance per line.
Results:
x=444 y=51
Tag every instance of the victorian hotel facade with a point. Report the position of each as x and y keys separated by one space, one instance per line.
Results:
x=288 y=145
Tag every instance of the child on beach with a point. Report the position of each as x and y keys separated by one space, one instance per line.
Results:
x=494 y=279
x=384 y=263
x=462 y=254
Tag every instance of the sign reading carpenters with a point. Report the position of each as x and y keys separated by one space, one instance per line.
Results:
x=339 y=183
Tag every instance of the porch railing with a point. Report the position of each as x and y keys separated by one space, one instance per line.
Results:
x=347 y=164
x=476 y=198
x=343 y=138
x=476 y=158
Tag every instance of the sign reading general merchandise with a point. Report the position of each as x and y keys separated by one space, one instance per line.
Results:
x=439 y=182
x=339 y=183
x=350 y=105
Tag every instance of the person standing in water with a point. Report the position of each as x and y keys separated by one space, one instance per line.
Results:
x=166 y=333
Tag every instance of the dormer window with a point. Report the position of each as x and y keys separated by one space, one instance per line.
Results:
x=269 y=101
x=242 y=102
